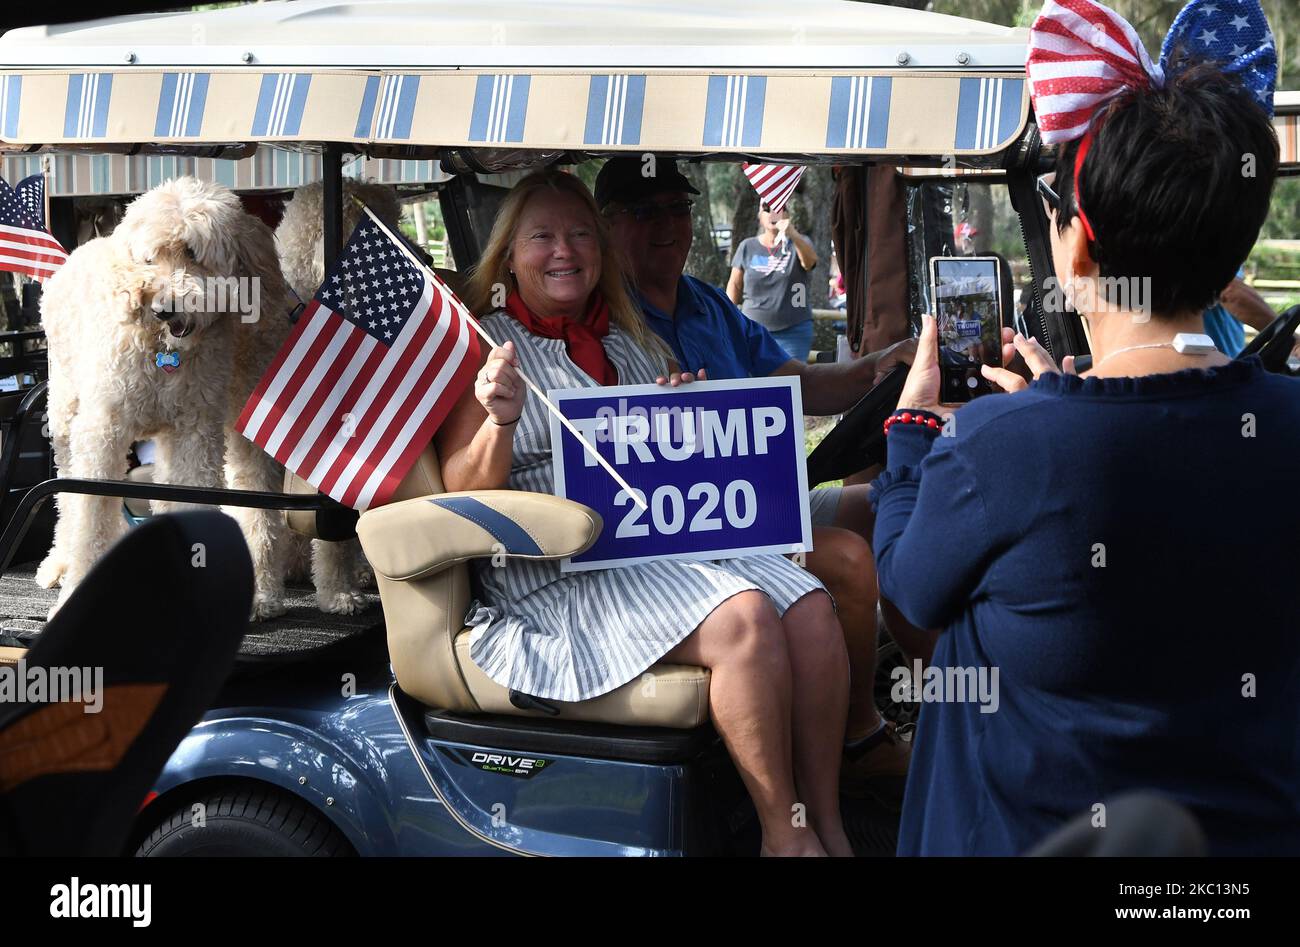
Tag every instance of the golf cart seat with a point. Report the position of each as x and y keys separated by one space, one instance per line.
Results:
x=419 y=546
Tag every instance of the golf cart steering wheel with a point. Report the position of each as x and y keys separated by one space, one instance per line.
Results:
x=1274 y=342
x=857 y=442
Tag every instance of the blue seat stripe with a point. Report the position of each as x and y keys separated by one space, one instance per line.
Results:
x=502 y=528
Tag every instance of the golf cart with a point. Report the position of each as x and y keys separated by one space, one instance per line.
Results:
x=384 y=738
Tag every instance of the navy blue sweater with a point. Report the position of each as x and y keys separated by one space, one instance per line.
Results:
x=1126 y=552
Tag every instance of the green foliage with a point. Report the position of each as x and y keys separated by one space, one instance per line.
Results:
x=1284 y=214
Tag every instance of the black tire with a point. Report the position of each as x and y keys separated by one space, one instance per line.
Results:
x=242 y=822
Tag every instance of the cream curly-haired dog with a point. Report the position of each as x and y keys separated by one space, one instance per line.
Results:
x=149 y=337
x=337 y=567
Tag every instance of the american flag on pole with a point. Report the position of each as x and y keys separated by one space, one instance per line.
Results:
x=371 y=369
x=774 y=182
x=25 y=245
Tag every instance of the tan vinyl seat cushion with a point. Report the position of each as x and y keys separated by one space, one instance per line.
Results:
x=665 y=695
x=419 y=552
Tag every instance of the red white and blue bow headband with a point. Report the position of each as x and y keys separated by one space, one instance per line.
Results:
x=1082 y=54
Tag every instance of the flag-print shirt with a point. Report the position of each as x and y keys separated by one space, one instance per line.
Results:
x=776 y=284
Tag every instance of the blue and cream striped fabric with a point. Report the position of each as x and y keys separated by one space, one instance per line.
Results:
x=988 y=112
x=614 y=107
x=913 y=113
x=733 y=113
x=396 y=106
x=180 y=105
x=86 y=112
x=280 y=104
x=859 y=112
x=500 y=104
x=576 y=636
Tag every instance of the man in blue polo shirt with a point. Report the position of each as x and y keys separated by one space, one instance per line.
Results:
x=647 y=202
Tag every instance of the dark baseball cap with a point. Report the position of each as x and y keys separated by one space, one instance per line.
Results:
x=625 y=179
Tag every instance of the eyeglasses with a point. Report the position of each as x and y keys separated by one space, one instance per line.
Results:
x=1047 y=193
x=644 y=213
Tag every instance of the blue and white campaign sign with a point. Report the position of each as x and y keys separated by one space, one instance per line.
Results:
x=719 y=464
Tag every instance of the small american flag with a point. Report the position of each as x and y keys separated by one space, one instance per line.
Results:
x=370 y=370
x=25 y=245
x=774 y=182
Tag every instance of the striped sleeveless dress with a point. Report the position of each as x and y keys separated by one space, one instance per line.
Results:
x=577 y=636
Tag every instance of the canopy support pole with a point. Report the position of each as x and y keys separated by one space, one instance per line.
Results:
x=332 y=177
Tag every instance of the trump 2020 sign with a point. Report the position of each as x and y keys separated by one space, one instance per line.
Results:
x=719 y=464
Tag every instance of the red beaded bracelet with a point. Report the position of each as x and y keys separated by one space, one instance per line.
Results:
x=907 y=417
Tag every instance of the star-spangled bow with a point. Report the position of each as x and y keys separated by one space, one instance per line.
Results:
x=1082 y=54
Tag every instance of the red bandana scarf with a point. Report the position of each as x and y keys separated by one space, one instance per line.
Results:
x=582 y=339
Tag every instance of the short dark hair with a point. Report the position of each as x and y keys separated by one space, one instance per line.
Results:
x=1166 y=189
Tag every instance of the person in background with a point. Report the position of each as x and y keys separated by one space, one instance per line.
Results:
x=1238 y=305
x=769 y=281
x=838 y=295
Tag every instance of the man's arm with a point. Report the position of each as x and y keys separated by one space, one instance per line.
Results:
x=1246 y=305
x=838 y=386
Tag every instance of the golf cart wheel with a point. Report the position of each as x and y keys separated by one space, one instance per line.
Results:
x=242 y=822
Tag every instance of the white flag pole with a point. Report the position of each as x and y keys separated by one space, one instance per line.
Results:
x=469 y=317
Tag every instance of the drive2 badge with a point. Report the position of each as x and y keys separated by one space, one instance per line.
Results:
x=506 y=764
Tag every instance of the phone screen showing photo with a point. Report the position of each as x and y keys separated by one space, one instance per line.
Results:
x=968 y=309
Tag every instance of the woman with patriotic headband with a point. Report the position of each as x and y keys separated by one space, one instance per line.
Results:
x=1080 y=576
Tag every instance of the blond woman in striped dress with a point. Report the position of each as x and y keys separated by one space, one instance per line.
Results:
x=765 y=628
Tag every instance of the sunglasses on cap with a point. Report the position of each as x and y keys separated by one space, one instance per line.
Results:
x=644 y=213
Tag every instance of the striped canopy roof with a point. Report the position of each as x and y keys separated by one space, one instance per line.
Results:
x=762 y=77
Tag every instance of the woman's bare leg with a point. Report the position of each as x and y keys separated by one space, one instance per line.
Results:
x=744 y=647
x=820 y=699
